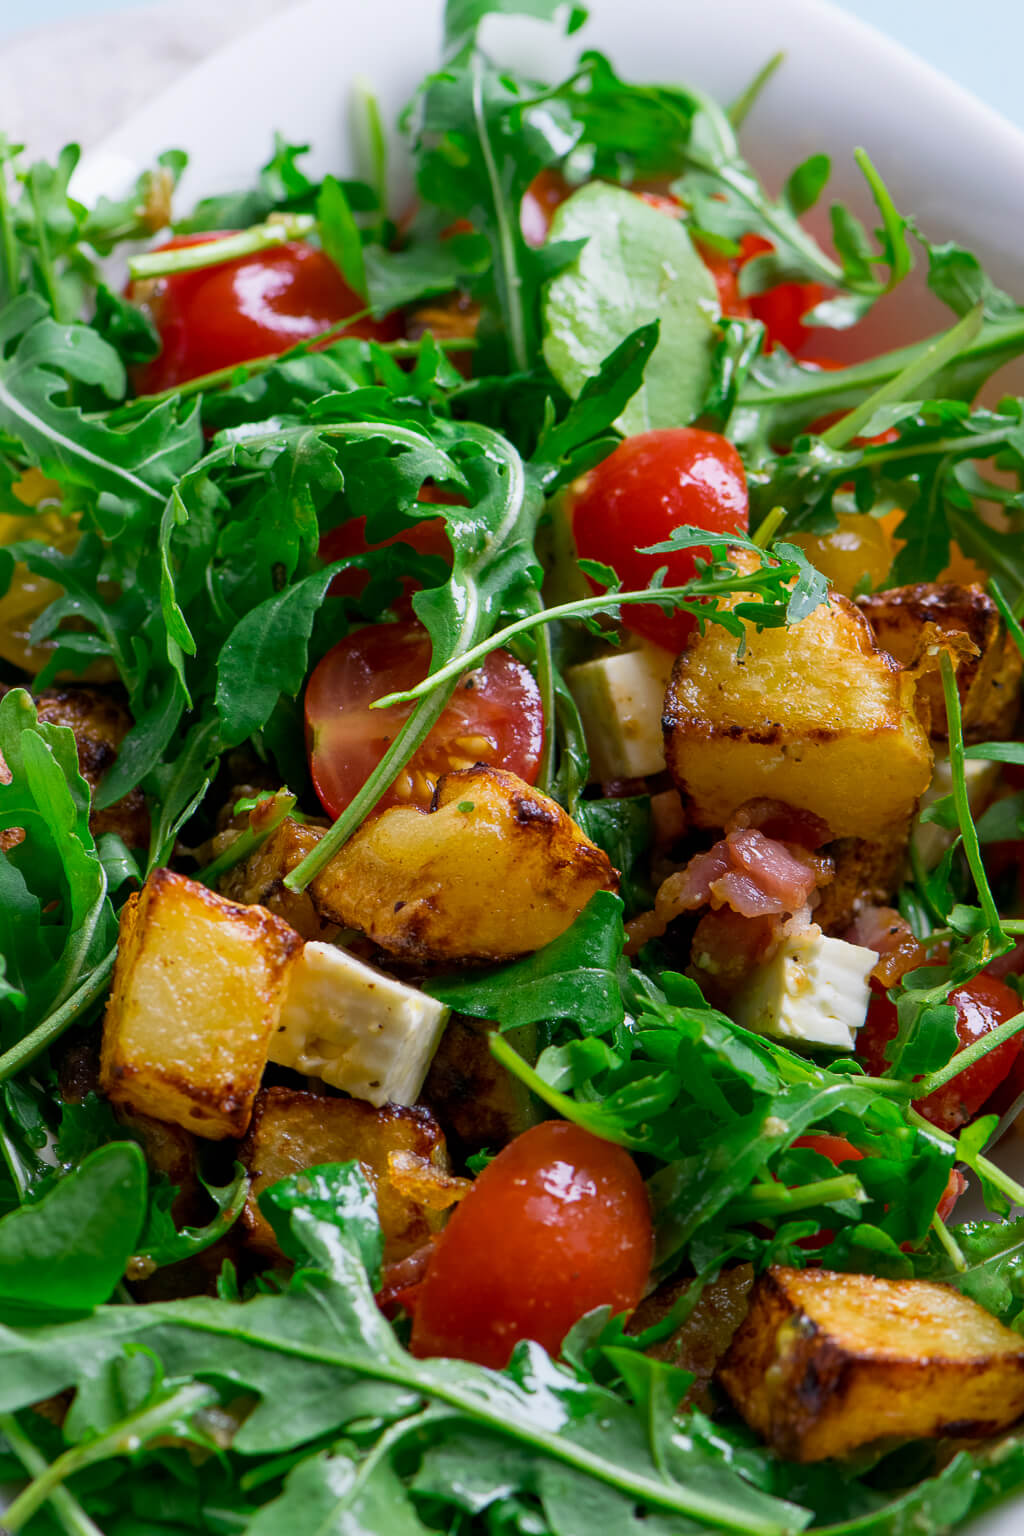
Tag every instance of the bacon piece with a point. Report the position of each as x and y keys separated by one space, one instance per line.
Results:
x=726 y=946
x=892 y=939
x=777 y=871
x=785 y=823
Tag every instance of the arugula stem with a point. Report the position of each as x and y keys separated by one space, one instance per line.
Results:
x=769 y=526
x=949 y=1242
x=213 y=253
x=776 y=1200
x=122 y=1439
x=604 y=602
x=906 y=384
x=54 y=1025
x=968 y=1056
x=995 y=1175
x=546 y=684
x=8 y=242
x=1013 y=626
x=740 y=109
x=64 y=1504
x=510 y=280
x=968 y=831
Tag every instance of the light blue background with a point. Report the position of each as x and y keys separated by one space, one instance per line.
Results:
x=980 y=44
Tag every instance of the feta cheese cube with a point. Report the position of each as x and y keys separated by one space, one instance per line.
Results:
x=814 y=991
x=355 y=1027
x=621 y=699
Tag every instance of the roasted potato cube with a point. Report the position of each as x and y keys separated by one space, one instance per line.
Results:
x=825 y=1363
x=494 y=869
x=478 y=1102
x=813 y=714
x=197 y=993
x=100 y=723
x=989 y=682
x=868 y=874
x=260 y=877
x=699 y=1343
x=292 y=1130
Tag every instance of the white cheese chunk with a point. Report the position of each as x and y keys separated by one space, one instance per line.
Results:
x=620 y=699
x=356 y=1028
x=930 y=841
x=814 y=990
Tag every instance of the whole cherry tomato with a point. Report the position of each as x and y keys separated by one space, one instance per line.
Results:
x=781 y=309
x=256 y=306
x=426 y=537
x=981 y=1005
x=494 y=716
x=651 y=484
x=557 y=1224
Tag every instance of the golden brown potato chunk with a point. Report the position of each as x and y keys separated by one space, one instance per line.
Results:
x=702 y=1340
x=170 y=1150
x=989 y=682
x=196 y=995
x=494 y=870
x=292 y=1130
x=813 y=714
x=825 y=1363
x=479 y=1103
x=260 y=877
x=100 y=723
x=867 y=874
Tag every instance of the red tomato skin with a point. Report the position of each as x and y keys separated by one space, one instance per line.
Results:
x=498 y=704
x=836 y=1148
x=781 y=309
x=238 y=310
x=981 y=1005
x=557 y=1224
x=427 y=537
x=652 y=483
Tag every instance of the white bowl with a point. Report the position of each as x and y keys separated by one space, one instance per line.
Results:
x=948 y=159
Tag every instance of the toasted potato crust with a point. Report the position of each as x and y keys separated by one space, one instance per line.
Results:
x=825 y=1363
x=196 y=995
x=813 y=714
x=292 y=1130
x=100 y=723
x=495 y=869
x=989 y=682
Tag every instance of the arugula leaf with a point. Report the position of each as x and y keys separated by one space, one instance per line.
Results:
x=574 y=977
x=637 y=266
x=68 y=1250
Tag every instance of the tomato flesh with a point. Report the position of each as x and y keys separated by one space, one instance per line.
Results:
x=557 y=1224
x=651 y=484
x=495 y=716
x=238 y=310
x=981 y=1005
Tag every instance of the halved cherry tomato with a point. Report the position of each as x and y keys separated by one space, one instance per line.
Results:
x=557 y=1224
x=652 y=483
x=495 y=716
x=253 y=307
x=981 y=1005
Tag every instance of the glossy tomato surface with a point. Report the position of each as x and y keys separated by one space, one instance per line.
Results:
x=981 y=1005
x=239 y=310
x=781 y=309
x=495 y=716
x=557 y=1224
x=652 y=483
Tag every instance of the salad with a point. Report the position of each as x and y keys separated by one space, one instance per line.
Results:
x=510 y=826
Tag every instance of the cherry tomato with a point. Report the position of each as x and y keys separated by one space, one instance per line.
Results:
x=427 y=537
x=253 y=307
x=781 y=309
x=981 y=1005
x=546 y=192
x=651 y=484
x=495 y=716
x=838 y=1150
x=557 y=1224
